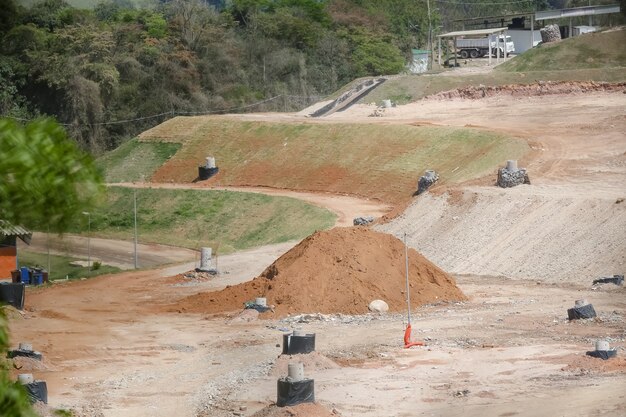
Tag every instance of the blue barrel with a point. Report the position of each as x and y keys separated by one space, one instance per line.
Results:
x=36 y=278
x=25 y=275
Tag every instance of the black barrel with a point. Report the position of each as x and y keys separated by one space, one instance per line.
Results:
x=205 y=173
x=12 y=294
x=293 y=345
x=37 y=391
x=584 y=312
x=25 y=353
x=295 y=392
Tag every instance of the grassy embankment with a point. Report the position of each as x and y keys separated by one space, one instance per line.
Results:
x=374 y=161
x=193 y=218
x=189 y=218
x=590 y=57
x=135 y=161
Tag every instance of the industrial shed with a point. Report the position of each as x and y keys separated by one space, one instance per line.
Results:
x=8 y=246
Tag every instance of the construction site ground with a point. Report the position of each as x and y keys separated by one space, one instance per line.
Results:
x=115 y=346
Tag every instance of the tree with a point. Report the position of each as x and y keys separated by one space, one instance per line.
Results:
x=375 y=56
x=8 y=15
x=45 y=180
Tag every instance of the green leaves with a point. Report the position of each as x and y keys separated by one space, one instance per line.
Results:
x=13 y=399
x=377 y=57
x=45 y=180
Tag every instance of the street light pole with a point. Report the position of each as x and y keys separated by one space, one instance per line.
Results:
x=86 y=213
x=135 y=211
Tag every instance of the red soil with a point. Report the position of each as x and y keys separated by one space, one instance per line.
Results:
x=337 y=271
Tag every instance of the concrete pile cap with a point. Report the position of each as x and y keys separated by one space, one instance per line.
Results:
x=25 y=347
x=295 y=371
x=25 y=379
x=602 y=345
x=580 y=303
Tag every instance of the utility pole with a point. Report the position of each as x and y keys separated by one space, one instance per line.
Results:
x=430 y=40
x=86 y=213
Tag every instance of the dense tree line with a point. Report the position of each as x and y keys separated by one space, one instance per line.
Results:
x=92 y=68
x=95 y=69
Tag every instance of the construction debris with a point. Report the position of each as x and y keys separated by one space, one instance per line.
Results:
x=616 y=279
x=511 y=175
x=378 y=306
x=362 y=221
x=378 y=112
x=550 y=33
x=426 y=181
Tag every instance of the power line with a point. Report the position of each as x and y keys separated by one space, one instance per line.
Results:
x=465 y=3
x=174 y=113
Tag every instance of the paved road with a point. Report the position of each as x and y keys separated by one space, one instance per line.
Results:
x=117 y=253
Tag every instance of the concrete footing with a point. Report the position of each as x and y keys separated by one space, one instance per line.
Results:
x=295 y=388
x=603 y=350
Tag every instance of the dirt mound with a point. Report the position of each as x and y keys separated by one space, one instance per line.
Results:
x=300 y=410
x=313 y=361
x=525 y=90
x=337 y=271
x=24 y=364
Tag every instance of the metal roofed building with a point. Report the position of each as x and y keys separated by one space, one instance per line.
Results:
x=8 y=246
x=478 y=32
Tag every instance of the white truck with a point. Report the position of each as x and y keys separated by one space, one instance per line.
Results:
x=476 y=48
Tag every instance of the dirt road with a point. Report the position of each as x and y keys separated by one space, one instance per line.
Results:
x=118 y=253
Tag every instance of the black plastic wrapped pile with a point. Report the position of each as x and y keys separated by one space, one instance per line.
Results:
x=602 y=351
x=294 y=344
x=426 y=181
x=37 y=391
x=581 y=310
x=295 y=392
x=615 y=279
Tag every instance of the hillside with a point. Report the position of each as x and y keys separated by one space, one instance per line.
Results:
x=371 y=160
x=589 y=51
x=592 y=57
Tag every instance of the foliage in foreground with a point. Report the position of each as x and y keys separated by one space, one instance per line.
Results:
x=13 y=399
x=45 y=180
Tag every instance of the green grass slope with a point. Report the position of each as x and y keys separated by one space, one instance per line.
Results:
x=371 y=160
x=589 y=51
x=190 y=218
x=135 y=161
